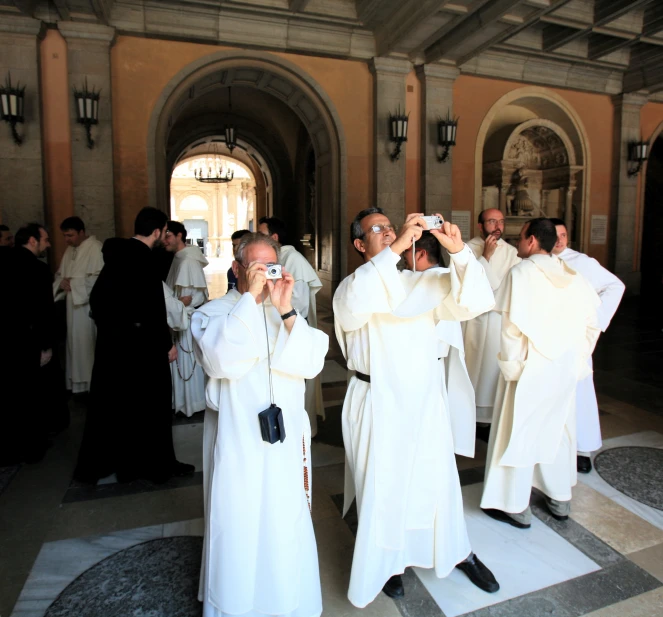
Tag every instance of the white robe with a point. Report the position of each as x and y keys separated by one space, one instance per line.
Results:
x=399 y=450
x=610 y=290
x=260 y=556
x=82 y=266
x=457 y=390
x=307 y=284
x=549 y=329
x=176 y=313
x=482 y=334
x=186 y=278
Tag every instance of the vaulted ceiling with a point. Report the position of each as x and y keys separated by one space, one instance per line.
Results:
x=617 y=42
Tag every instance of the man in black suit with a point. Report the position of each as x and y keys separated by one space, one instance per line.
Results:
x=27 y=313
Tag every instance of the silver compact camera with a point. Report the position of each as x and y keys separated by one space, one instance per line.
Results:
x=433 y=222
x=274 y=271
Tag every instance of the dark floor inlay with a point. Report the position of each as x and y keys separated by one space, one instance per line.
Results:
x=635 y=471
x=159 y=577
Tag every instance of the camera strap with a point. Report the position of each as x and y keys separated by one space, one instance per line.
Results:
x=269 y=361
x=414 y=257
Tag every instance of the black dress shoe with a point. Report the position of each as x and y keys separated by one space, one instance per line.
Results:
x=394 y=587
x=503 y=517
x=180 y=470
x=483 y=432
x=479 y=574
x=584 y=464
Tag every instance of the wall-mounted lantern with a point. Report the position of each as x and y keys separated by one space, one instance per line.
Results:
x=446 y=136
x=87 y=110
x=637 y=155
x=398 y=131
x=12 y=100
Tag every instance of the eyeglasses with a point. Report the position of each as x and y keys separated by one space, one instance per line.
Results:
x=494 y=221
x=379 y=229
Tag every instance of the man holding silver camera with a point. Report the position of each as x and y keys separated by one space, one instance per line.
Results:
x=400 y=461
x=259 y=552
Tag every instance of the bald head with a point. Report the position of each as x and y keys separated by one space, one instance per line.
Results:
x=491 y=223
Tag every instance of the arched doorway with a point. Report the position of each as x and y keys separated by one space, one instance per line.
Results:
x=182 y=115
x=531 y=159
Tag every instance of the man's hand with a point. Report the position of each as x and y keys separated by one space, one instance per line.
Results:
x=489 y=248
x=280 y=291
x=45 y=357
x=172 y=354
x=449 y=237
x=256 y=278
x=412 y=229
x=65 y=284
x=186 y=300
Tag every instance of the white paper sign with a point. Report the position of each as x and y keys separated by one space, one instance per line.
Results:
x=599 y=229
x=463 y=218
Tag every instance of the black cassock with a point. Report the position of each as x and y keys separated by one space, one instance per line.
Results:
x=27 y=314
x=128 y=428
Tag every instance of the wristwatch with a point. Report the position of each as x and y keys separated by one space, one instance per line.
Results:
x=291 y=313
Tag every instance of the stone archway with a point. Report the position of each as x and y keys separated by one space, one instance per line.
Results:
x=535 y=174
x=540 y=107
x=292 y=86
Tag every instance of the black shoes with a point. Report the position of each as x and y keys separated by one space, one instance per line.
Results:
x=479 y=574
x=584 y=464
x=394 y=587
x=503 y=517
x=483 y=432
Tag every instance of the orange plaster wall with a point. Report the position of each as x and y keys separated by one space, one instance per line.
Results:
x=473 y=98
x=141 y=68
x=56 y=136
x=413 y=146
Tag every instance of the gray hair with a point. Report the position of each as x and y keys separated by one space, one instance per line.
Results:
x=255 y=238
x=355 y=227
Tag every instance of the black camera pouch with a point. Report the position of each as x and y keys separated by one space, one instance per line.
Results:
x=272 y=428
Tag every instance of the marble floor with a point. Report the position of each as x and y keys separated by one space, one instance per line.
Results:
x=605 y=561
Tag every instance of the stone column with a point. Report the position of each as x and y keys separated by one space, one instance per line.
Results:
x=504 y=191
x=568 y=211
x=389 y=95
x=623 y=228
x=21 y=177
x=436 y=102
x=88 y=54
x=545 y=193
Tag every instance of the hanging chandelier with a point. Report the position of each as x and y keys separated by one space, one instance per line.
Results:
x=213 y=170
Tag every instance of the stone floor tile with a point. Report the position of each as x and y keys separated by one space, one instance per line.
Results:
x=651 y=560
x=649 y=604
x=616 y=526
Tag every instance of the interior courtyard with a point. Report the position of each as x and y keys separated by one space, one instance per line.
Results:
x=557 y=111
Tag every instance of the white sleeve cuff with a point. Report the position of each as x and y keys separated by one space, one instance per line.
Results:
x=462 y=257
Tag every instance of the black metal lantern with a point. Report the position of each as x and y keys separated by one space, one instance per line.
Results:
x=446 y=136
x=12 y=100
x=231 y=143
x=87 y=110
x=398 y=131
x=637 y=154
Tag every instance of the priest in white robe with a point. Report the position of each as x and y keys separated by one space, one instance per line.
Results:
x=457 y=390
x=307 y=285
x=610 y=290
x=186 y=278
x=78 y=272
x=482 y=334
x=260 y=555
x=400 y=461
x=549 y=329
